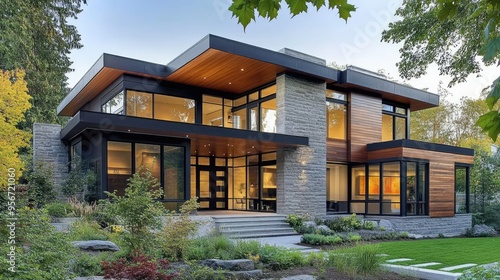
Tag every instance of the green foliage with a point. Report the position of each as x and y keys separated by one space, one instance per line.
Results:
x=360 y=260
x=200 y=272
x=138 y=211
x=175 y=234
x=318 y=239
x=245 y=10
x=484 y=184
x=83 y=209
x=211 y=247
x=79 y=180
x=37 y=37
x=345 y=223
x=452 y=34
x=42 y=252
x=41 y=185
x=284 y=258
x=86 y=230
x=369 y=225
x=296 y=220
x=353 y=237
x=89 y=265
x=246 y=249
x=59 y=209
x=480 y=272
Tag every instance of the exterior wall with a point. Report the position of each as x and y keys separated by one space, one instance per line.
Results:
x=48 y=148
x=301 y=172
x=365 y=124
x=441 y=175
x=450 y=226
x=336 y=150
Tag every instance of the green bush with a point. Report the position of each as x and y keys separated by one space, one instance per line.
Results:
x=246 y=249
x=86 y=230
x=369 y=225
x=492 y=216
x=200 y=272
x=79 y=181
x=138 y=211
x=360 y=260
x=345 y=223
x=89 y=265
x=281 y=256
x=210 y=247
x=41 y=185
x=480 y=272
x=296 y=220
x=353 y=237
x=318 y=239
x=59 y=209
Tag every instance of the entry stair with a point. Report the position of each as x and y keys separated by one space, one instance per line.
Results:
x=240 y=227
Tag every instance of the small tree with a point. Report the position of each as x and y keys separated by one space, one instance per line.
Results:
x=41 y=184
x=138 y=210
x=80 y=181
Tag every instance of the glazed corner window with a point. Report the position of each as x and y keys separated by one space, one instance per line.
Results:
x=114 y=105
x=336 y=114
x=394 y=121
x=171 y=108
x=139 y=104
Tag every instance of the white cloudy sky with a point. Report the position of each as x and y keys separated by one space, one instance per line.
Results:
x=158 y=31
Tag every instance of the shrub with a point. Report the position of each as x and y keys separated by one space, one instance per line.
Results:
x=139 y=267
x=247 y=249
x=296 y=220
x=369 y=225
x=42 y=252
x=41 y=185
x=281 y=256
x=86 y=230
x=82 y=208
x=360 y=260
x=79 y=181
x=345 y=223
x=353 y=237
x=405 y=235
x=59 y=209
x=492 y=216
x=200 y=272
x=319 y=221
x=303 y=229
x=210 y=247
x=175 y=234
x=88 y=265
x=481 y=272
x=318 y=239
x=138 y=211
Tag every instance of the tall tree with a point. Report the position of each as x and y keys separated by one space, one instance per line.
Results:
x=35 y=36
x=452 y=34
x=14 y=101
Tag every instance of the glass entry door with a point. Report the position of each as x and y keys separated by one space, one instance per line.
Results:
x=211 y=188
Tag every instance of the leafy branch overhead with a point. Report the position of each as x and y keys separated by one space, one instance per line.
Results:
x=245 y=10
x=459 y=36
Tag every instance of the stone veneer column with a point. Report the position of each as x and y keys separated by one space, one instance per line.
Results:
x=301 y=172
x=48 y=148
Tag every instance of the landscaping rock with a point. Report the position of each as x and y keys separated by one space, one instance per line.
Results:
x=251 y=274
x=415 y=236
x=386 y=224
x=484 y=230
x=325 y=230
x=231 y=265
x=96 y=245
x=310 y=224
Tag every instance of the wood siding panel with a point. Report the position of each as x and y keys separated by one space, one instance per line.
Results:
x=336 y=150
x=365 y=124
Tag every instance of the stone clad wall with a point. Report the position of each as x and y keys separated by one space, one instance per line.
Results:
x=48 y=148
x=449 y=226
x=301 y=172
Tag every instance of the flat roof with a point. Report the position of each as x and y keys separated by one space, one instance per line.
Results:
x=230 y=66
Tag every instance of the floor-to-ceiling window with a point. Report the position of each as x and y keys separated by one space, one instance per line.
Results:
x=256 y=111
x=394 y=122
x=119 y=166
x=461 y=189
x=336 y=188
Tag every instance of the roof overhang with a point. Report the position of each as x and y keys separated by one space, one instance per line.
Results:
x=390 y=90
x=426 y=146
x=205 y=140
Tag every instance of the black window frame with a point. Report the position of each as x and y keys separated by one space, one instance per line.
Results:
x=394 y=115
x=346 y=108
x=467 y=188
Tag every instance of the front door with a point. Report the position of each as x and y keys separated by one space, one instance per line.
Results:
x=211 y=188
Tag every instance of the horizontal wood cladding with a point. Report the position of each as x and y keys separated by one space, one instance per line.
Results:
x=336 y=150
x=441 y=175
x=365 y=121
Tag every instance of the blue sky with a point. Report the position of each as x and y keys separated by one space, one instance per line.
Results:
x=158 y=31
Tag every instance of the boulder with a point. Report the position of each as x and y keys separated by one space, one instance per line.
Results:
x=251 y=274
x=231 y=265
x=325 y=230
x=385 y=224
x=309 y=224
x=484 y=230
x=96 y=245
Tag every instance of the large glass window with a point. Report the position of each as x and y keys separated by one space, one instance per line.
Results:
x=391 y=188
x=139 y=104
x=336 y=114
x=358 y=188
x=212 y=111
x=268 y=116
x=336 y=188
x=461 y=190
x=174 y=165
x=394 y=122
x=148 y=156
x=268 y=188
x=240 y=119
x=177 y=109
x=114 y=105
x=119 y=166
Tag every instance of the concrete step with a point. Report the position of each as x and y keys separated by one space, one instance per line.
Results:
x=253 y=226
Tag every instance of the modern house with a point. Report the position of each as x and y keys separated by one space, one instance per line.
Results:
x=246 y=128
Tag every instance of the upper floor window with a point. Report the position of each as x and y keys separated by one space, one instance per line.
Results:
x=114 y=105
x=394 y=122
x=217 y=111
x=336 y=114
x=256 y=111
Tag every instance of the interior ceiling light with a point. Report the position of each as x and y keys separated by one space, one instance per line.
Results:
x=242 y=69
x=230 y=83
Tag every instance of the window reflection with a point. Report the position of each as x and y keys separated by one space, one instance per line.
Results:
x=268 y=118
x=336 y=120
x=114 y=105
x=139 y=104
x=119 y=156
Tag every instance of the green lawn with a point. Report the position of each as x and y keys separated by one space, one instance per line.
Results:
x=447 y=251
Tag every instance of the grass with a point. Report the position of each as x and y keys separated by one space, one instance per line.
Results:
x=447 y=251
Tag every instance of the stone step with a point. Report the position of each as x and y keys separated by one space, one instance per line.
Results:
x=257 y=234
x=287 y=231
x=249 y=219
x=252 y=224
